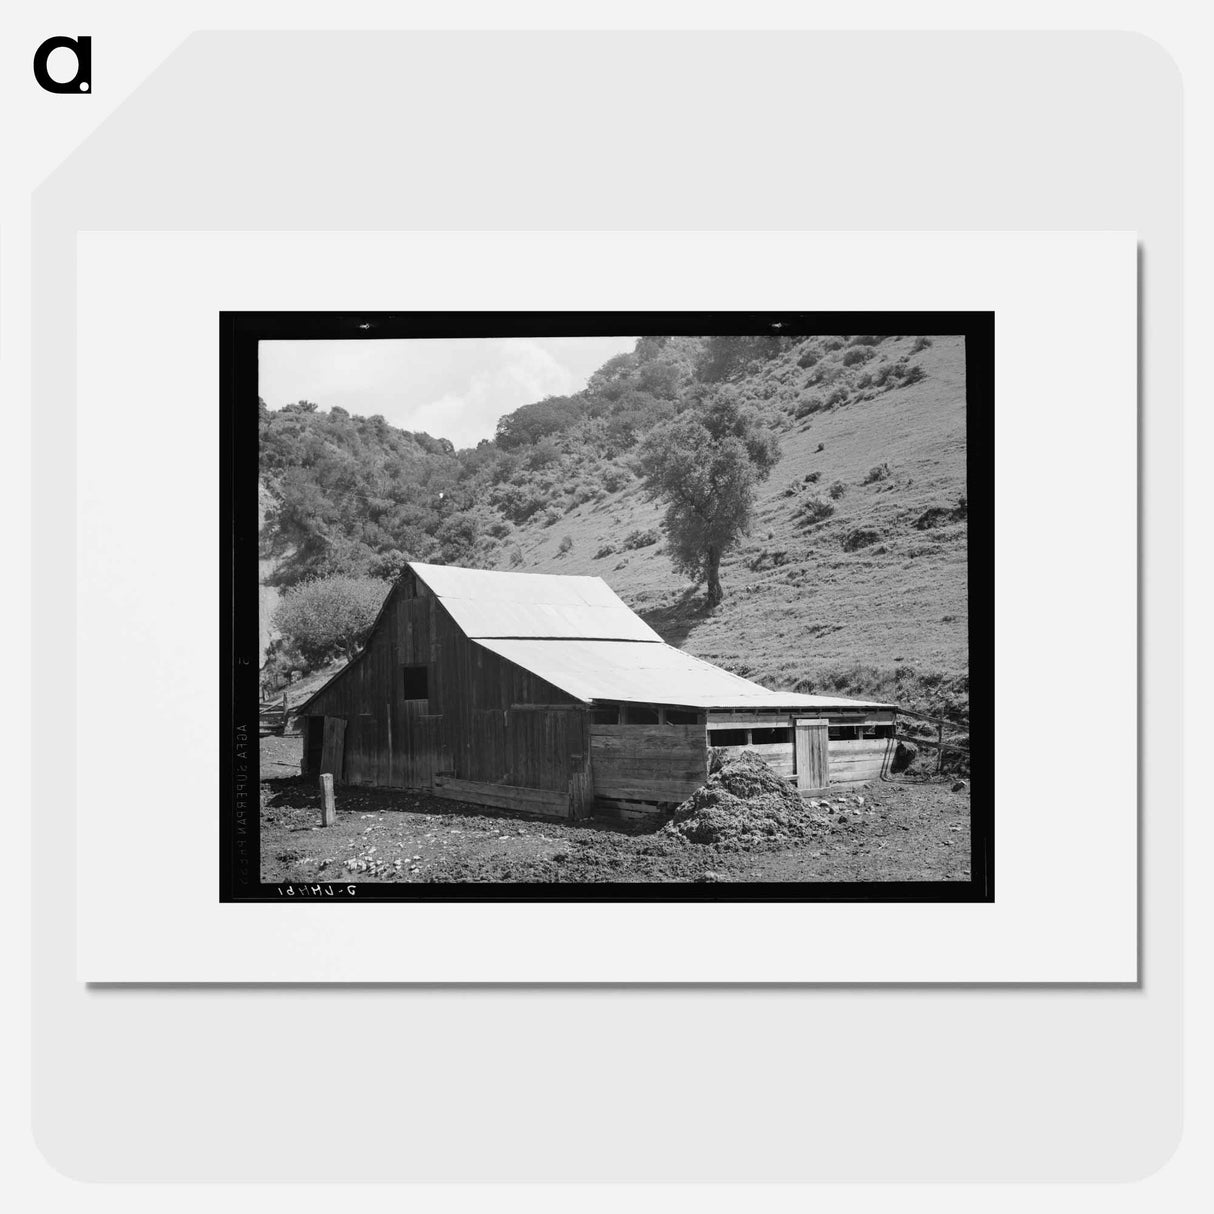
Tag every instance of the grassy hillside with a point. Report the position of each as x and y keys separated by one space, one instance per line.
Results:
x=801 y=611
x=869 y=599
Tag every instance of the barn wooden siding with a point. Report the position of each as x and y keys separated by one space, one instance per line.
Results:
x=862 y=761
x=482 y=720
x=851 y=761
x=648 y=762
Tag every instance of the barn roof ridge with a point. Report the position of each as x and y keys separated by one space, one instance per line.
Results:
x=499 y=603
x=597 y=650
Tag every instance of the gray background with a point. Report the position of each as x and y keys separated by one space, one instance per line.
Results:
x=556 y=131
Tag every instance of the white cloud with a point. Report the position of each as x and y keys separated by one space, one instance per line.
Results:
x=523 y=372
x=453 y=388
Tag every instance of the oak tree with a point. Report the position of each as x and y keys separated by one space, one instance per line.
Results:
x=705 y=464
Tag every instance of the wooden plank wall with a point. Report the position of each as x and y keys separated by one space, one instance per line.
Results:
x=857 y=762
x=851 y=762
x=777 y=755
x=467 y=727
x=505 y=796
x=648 y=762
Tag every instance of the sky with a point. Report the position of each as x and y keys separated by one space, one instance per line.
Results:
x=452 y=388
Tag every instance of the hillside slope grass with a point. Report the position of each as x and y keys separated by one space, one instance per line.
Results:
x=869 y=600
x=852 y=581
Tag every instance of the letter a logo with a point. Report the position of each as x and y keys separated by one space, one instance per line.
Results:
x=82 y=48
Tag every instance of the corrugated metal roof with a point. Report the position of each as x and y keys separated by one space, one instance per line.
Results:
x=486 y=603
x=645 y=673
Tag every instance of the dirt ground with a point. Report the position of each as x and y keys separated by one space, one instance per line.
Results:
x=891 y=831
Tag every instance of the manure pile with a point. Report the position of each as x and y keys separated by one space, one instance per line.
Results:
x=745 y=801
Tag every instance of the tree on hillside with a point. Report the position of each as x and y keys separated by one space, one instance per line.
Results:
x=705 y=465
x=726 y=356
x=530 y=423
x=327 y=618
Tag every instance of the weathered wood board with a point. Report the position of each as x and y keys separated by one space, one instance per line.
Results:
x=647 y=762
x=861 y=761
x=737 y=720
x=812 y=757
x=333 y=748
x=777 y=755
x=504 y=796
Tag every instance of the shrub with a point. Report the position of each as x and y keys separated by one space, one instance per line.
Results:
x=565 y=545
x=921 y=343
x=808 y=359
x=641 y=539
x=544 y=452
x=518 y=503
x=458 y=537
x=516 y=557
x=857 y=354
x=816 y=510
x=891 y=375
x=833 y=343
x=877 y=473
x=933 y=516
x=615 y=477
x=905 y=753
x=837 y=397
x=861 y=537
x=865 y=380
x=766 y=559
x=837 y=490
x=811 y=478
x=872 y=339
x=604 y=551
x=499 y=530
x=936 y=516
x=551 y=516
x=807 y=405
x=329 y=617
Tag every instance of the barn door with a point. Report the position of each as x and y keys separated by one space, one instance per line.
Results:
x=812 y=753
x=333 y=748
x=314 y=740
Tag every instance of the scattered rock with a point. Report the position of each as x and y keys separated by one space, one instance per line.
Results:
x=960 y=786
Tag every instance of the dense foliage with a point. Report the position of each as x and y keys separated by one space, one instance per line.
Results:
x=325 y=619
x=705 y=465
x=355 y=495
x=359 y=497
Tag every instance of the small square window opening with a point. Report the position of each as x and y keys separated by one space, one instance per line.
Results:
x=416 y=682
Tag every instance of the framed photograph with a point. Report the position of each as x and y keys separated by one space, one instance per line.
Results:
x=625 y=607
x=620 y=606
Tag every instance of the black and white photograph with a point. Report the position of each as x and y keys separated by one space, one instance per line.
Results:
x=623 y=605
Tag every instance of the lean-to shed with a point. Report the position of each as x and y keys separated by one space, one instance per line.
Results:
x=546 y=693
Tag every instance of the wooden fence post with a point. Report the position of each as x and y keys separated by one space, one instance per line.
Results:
x=328 y=808
x=940 y=748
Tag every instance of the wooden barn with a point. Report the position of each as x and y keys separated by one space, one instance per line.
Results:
x=547 y=694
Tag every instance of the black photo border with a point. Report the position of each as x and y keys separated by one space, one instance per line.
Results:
x=239 y=812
